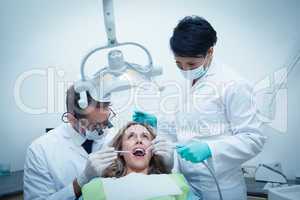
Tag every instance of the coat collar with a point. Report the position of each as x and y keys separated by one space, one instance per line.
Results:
x=74 y=138
x=70 y=133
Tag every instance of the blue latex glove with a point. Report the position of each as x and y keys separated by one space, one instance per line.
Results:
x=194 y=151
x=145 y=118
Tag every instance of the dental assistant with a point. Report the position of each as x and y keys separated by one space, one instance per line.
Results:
x=218 y=121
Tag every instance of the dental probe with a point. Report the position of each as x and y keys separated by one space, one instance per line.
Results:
x=123 y=151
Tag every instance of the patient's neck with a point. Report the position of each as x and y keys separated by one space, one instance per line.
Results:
x=130 y=170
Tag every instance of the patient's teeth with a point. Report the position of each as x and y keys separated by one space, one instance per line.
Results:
x=139 y=152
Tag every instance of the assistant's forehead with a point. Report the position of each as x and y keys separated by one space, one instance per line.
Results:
x=188 y=59
x=137 y=128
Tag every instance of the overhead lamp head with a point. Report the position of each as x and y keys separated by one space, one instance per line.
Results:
x=119 y=75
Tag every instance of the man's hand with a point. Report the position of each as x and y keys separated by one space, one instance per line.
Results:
x=96 y=164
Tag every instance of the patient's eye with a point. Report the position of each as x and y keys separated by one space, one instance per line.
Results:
x=130 y=135
x=146 y=135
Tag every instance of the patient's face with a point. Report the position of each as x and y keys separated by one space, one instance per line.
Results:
x=137 y=139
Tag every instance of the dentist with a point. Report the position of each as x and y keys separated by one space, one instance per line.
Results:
x=59 y=163
x=218 y=121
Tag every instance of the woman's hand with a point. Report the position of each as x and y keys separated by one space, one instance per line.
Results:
x=195 y=151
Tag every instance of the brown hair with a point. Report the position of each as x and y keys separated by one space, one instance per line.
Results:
x=117 y=169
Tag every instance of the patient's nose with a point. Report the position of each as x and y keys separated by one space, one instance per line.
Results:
x=139 y=140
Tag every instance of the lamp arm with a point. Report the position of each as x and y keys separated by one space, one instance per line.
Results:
x=109 y=21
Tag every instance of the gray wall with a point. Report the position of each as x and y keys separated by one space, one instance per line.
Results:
x=255 y=37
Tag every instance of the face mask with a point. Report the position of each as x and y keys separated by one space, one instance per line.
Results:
x=96 y=134
x=194 y=73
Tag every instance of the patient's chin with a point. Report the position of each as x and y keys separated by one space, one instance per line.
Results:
x=141 y=163
x=138 y=168
x=138 y=165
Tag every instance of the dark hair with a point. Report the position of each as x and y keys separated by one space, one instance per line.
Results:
x=118 y=168
x=73 y=106
x=192 y=36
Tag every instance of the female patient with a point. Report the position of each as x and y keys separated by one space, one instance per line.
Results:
x=134 y=141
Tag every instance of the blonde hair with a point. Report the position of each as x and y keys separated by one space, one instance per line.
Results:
x=118 y=169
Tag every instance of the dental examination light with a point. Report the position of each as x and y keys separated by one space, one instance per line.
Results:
x=119 y=75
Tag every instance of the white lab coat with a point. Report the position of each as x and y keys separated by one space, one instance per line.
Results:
x=219 y=110
x=53 y=161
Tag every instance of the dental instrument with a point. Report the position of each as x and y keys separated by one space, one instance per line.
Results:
x=123 y=151
x=177 y=145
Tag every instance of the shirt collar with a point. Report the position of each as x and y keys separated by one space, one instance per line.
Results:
x=76 y=137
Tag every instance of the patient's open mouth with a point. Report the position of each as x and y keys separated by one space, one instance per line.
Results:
x=139 y=152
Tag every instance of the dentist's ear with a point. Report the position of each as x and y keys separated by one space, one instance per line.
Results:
x=71 y=118
x=74 y=122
